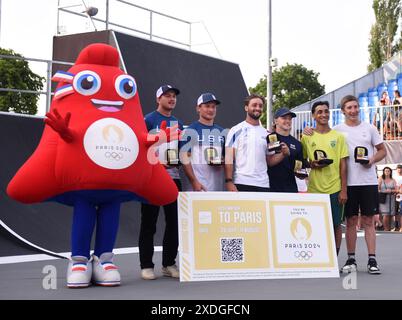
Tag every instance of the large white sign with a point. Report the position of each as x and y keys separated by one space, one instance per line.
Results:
x=111 y=144
x=247 y=235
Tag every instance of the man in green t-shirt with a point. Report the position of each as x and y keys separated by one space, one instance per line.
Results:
x=327 y=177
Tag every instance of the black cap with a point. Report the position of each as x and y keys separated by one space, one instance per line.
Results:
x=207 y=97
x=399 y=166
x=165 y=88
x=284 y=112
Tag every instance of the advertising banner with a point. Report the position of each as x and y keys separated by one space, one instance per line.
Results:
x=250 y=235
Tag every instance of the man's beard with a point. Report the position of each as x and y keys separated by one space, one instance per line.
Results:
x=253 y=116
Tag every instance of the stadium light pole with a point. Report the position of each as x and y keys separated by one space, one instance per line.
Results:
x=107 y=14
x=269 y=73
x=0 y=20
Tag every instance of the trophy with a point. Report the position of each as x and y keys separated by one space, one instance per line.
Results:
x=212 y=156
x=321 y=157
x=172 y=157
x=299 y=171
x=273 y=143
x=361 y=155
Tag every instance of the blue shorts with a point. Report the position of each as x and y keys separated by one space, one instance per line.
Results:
x=96 y=197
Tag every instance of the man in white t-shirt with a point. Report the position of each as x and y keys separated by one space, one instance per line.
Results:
x=365 y=145
x=361 y=180
x=246 y=152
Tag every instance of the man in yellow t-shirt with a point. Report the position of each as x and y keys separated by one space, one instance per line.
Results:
x=326 y=176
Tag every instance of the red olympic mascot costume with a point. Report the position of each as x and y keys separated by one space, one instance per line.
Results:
x=93 y=155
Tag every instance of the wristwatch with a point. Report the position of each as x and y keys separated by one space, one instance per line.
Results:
x=228 y=180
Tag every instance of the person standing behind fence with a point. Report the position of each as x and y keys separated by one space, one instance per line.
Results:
x=362 y=182
x=384 y=101
x=331 y=178
x=398 y=111
x=387 y=187
x=398 y=204
x=397 y=98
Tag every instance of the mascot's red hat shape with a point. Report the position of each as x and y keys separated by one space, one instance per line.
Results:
x=95 y=138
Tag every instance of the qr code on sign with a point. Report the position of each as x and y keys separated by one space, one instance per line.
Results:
x=232 y=250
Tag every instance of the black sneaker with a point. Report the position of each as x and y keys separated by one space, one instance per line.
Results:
x=372 y=267
x=350 y=266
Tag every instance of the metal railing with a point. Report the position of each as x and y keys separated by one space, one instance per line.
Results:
x=151 y=34
x=151 y=25
x=48 y=77
x=387 y=119
x=388 y=71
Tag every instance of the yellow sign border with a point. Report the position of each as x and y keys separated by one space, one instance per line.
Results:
x=277 y=264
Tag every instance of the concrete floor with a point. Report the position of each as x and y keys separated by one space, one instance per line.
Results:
x=24 y=281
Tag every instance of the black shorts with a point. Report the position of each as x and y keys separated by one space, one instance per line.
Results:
x=363 y=200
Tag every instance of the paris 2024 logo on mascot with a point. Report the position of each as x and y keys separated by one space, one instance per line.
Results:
x=93 y=156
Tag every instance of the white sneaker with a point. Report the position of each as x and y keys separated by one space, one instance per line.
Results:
x=350 y=266
x=171 y=271
x=79 y=272
x=105 y=272
x=148 y=274
x=372 y=267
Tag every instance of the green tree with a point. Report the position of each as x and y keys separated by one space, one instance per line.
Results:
x=383 y=35
x=292 y=85
x=16 y=74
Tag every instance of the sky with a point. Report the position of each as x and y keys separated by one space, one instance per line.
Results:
x=330 y=37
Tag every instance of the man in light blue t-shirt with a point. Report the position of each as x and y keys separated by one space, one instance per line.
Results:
x=202 y=151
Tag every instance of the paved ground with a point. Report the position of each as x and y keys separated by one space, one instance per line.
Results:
x=24 y=281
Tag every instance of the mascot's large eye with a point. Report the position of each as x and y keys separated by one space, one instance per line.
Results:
x=87 y=82
x=125 y=86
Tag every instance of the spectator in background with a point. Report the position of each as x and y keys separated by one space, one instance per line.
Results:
x=392 y=119
x=385 y=101
x=399 y=125
x=398 y=204
x=391 y=128
x=397 y=98
x=378 y=223
x=398 y=112
x=387 y=187
x=377 y=217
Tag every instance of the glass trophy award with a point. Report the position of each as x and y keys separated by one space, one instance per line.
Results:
x=299 y=170
x=212 y=156
x=321 y=157
x=273 y=143
x=361 y=155
x=172 y=157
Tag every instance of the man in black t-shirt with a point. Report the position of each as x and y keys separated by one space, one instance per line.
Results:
x=282 y=176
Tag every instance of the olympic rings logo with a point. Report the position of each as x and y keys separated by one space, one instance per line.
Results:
x=114 y=155
x=303 y=255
